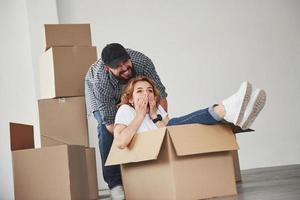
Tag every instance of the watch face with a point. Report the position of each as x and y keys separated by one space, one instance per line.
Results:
x=158 y=118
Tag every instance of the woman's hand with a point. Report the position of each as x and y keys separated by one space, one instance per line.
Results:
x=153 y=107
x=141 y=106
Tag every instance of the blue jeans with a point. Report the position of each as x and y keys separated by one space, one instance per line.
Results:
x=111 y=174
x=204 y=116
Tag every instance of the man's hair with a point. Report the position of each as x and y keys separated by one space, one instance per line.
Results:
x=128 y=91
x=114 y=53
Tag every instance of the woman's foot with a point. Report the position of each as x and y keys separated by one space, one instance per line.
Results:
x=256 y=104
x=235 y=105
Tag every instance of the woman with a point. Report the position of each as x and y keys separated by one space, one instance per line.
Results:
x=140 y=111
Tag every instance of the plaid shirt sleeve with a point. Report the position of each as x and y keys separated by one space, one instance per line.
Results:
x=105 y=97
x=98 y=94
x=90 y=99
x=152 y=74
x=106 y=101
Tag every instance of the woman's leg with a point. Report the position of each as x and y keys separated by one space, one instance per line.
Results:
x=208 y=116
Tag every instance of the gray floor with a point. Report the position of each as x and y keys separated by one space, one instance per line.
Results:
x=272 y=183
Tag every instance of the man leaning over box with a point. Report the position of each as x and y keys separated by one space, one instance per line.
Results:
x=104 y=82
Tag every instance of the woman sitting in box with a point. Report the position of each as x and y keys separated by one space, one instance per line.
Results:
x=140 y=111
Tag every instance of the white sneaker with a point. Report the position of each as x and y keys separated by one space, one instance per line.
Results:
x=256 y=104
x=117 y=193
x=236 y=104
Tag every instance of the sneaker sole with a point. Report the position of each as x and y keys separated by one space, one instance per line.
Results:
x=258 y=106
x=245 y=102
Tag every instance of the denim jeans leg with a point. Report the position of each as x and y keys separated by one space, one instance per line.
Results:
x=111 y=174
x=202 y=116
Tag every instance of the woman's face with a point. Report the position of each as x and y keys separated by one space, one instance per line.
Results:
x=142 y=89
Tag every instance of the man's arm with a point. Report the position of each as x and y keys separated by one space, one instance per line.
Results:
x=105 y=100
x=164 y=104
x=150 y=72
x=110 y=128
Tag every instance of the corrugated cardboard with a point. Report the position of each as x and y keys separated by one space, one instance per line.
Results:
x=92 y=172
x=21 y=136
x=63 y=121
x=236 y=164
x=62 y=71
x=67 y=35
x=178 y=162
x=59 y=172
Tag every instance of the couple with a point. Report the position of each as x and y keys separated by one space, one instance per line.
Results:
x=140 y=111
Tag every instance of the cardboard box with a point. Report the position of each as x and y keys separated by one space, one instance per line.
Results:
x=178 y=162
x=235 y=155
x=90 y=155
x=63 y=121
x=67 y=35
x=58 y=172
x=236 y=164
x=62 y=71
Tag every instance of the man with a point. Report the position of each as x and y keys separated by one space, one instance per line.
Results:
x=103 y=87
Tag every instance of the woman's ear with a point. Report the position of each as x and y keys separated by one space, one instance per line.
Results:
x=131 y=101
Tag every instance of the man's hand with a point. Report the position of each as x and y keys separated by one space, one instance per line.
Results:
x=110 y=128
x=164 y=104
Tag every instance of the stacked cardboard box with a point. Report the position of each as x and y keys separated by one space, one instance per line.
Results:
x=61 y=165
x=179 y=162
x=69 y=53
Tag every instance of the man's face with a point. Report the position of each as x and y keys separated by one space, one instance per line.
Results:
x=123 y=70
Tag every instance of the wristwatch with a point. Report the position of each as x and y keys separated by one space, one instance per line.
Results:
x=158 y=118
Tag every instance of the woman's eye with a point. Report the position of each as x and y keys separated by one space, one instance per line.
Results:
x=150 y=91
x=139 y=91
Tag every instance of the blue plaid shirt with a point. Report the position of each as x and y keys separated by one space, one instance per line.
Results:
x=103 y=90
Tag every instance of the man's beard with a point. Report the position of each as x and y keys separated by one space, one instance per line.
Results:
x=125 y=80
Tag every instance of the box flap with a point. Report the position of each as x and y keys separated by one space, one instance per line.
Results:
x=56 y=139
x=144 y=146
x=197 y=138
x=236 y=129
x=21 y=136
x=67 y=35
x=46 y=73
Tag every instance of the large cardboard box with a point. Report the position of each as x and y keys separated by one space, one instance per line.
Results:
x=67 y=35
x=90 y=155
x=236 y=164
x=178 y=162
x=63 y=121
x=62 y=71
x=58 y=172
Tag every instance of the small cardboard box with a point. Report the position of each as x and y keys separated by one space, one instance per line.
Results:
x=62 y=71
x=178 y=162
x=58 y=172
x=67 y=35
x=63 y=121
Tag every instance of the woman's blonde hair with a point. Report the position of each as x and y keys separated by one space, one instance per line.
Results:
x=128 y=91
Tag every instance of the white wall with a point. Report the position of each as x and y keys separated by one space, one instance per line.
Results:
x=20 y=37
x=214 y=44
x=204 y=49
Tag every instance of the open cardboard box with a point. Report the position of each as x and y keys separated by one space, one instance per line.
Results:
x=57 y=172
x=178 y=162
